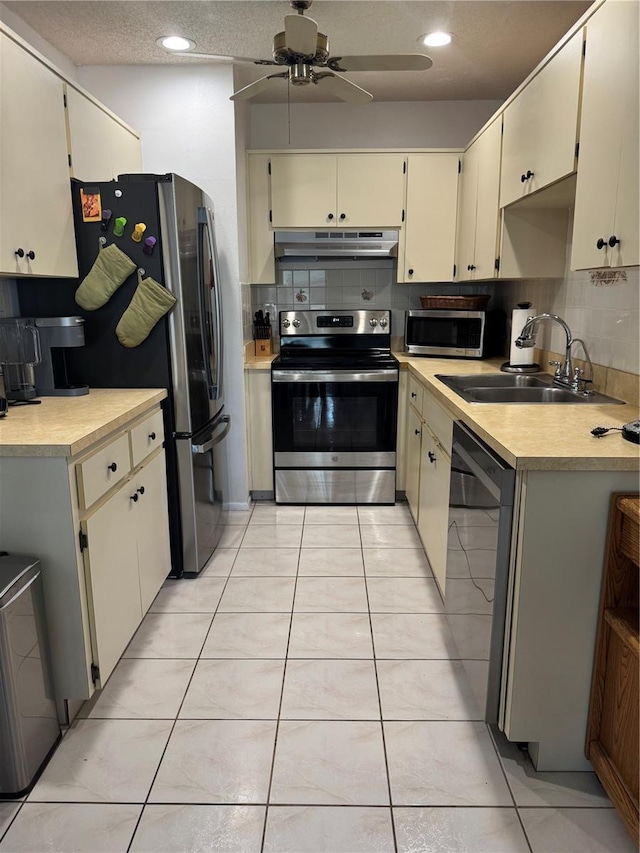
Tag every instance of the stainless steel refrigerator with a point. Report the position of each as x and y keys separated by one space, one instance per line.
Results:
x=183 y=352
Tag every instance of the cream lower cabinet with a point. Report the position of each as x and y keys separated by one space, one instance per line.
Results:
x=427 y=242
x=337 y=190
x=36 y=233
x=412 y=450
x=259 y=432
x=605 y=225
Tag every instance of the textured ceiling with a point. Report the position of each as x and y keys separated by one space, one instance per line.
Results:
x=496 y=43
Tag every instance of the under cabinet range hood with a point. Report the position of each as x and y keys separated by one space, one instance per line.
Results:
x=335 y=245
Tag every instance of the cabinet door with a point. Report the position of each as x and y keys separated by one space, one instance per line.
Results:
x=540 y=126
x=152 y=525
x=303 y=190
x=101 y=148
x=435 y=472
x=467 y=203
x=35 y=201
x=430 y=233
x=262 y=265
x=489 y=148
x=412 y=478
x=370 y=190
x=607 y=184
x=111 y=568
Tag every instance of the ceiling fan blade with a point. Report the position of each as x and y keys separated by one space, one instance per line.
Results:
x=301 y=34
x=390 y=62
x=221 y=58
x=343 y=88
x=261 y=85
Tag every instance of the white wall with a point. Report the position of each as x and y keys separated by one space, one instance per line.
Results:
x=409 y=124
x=186 y=122
x=35 y=40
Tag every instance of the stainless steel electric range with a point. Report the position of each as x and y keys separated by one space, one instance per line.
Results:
x=335 y=408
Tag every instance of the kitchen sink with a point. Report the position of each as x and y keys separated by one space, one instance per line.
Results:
x=516 y=388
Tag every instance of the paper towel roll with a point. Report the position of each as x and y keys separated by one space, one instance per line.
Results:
x=519 y=317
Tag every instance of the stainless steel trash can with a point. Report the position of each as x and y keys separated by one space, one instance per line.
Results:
x=29 y=727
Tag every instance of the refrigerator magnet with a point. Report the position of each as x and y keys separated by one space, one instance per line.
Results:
x=91 y=204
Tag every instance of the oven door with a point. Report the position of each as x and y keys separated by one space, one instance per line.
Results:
x=334 y=435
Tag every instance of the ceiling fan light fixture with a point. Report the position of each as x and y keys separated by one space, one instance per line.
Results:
x=176 y=44
x=436 y=39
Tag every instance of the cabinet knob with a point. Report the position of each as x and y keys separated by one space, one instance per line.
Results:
x=19 y=253
x=113 y=467
x=417 y=431
x=613 y=240
x=330 y=216
x=343 y=216
x=409 y=272
x=141 y=490
x=152 y=436
x=601 y=243
x=526 y=177
x=31 y=255
x=432 y=456
x=134 y=498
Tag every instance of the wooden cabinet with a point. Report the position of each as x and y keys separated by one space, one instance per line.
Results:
x=37 y=235
x=606 y=204
x=541 y=126
x=612 y=730
x=427 y=243
x=478 y=207
x=334 y=190
x=101 y=147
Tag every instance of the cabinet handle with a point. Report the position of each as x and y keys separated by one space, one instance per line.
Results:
x=113 y=467
x=526 y=177
x=343 y=216
x=601 y=243
x=417 y=431
x=31 y=255
x=471 y=267
x=413 y=395
x=330 y=216
x=152 y=436
x=409 y=272
x=19 y=253
x=134 y=498
x=613 y=240
x=432 y=456
x=141 y=490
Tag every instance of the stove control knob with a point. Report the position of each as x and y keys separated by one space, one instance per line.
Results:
x=384 y=322
x=373 y=322
x=296 y=323
x=286 y=323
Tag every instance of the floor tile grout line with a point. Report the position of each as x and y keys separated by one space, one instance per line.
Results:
x=284 y=676
x=509 y=788
x=545 y=807
x=13 y=819
x=382 y=732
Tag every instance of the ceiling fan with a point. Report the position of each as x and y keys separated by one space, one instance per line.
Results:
x=302 y=49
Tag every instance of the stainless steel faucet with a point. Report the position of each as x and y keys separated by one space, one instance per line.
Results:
x=565 y=374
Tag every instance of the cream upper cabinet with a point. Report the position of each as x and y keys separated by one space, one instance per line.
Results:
x=262 y=266
x=37 y=235
x=101 y=147
x=606 y=207
x=427 y=243
x=541 y=125
x=333 y=190
x=478 y=210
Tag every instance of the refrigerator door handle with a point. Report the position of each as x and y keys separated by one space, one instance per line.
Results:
x=213 y=251
x=225 y=422
x=205 y=331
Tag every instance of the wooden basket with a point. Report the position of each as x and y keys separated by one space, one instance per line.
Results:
x=457 y=303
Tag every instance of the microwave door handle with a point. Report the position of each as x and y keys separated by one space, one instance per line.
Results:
x=211 y=238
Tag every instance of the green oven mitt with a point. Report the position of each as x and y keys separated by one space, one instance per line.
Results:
x=150 y=302
x=111 y=268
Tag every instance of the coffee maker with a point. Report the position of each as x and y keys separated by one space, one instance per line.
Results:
x=19 y=355
x=56 y=335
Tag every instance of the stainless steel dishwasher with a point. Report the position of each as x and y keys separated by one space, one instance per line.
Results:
x=29 y=727
x=478 y=551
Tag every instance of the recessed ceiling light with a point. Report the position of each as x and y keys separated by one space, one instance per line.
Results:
x=435 y=39
x=175 y=43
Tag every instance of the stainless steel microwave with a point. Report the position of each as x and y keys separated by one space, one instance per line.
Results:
x=461 y=334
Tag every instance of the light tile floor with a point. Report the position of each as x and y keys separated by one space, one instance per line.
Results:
x=302 y=694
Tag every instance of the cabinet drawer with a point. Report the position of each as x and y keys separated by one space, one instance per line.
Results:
x=97 y=474
x=415 y=394
x=439 y=422
x=146 y=436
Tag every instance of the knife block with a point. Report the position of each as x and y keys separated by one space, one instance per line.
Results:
x=263 y=346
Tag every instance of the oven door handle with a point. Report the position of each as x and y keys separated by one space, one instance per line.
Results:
x=323 y=376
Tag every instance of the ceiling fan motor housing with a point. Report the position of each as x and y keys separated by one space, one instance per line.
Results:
x=284 y=56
